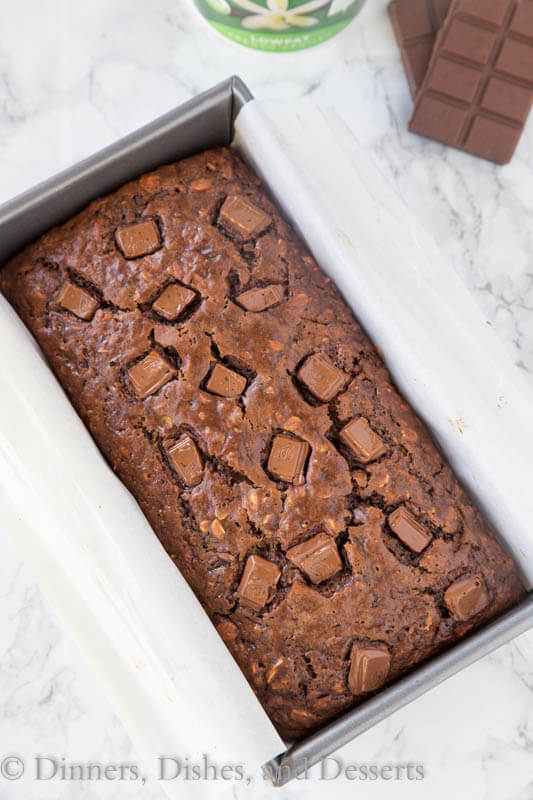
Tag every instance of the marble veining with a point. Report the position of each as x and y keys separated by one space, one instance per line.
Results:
x=74 y=77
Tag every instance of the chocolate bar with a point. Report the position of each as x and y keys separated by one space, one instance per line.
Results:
x=478 y=89
x=416 y=24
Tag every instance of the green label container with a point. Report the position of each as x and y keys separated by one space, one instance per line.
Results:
x=279 y=26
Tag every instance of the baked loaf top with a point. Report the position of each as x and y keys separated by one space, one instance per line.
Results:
x=231 y=389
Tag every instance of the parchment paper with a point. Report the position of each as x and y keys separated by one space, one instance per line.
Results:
x=445 y=358
x=170 y=677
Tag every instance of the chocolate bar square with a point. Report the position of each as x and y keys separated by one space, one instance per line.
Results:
x=492 y=139
x=318 y=557
x=185 y=459
x=516 y=60
x=364 y=443
x=506 y=100
x=369 y=668
x=258 y=582
x=441 y=120
x=455 y=80
x=409 y=530
x=173 y=301
x=225 y=382
x=485 y=10
x=241 y=217
x=77 y=301
x=140 y=239
x=261 y=298
x=150 y=374
x=321 y=377
x=465 y=40
x=287 y=458
x=522 y=22
x=466 y=597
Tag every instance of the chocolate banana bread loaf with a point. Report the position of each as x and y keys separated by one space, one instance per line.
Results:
x=231 y=389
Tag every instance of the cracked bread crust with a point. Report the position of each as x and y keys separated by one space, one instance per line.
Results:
x=381 y=595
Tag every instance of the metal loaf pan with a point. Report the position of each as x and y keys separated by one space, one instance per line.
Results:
x=203 y=122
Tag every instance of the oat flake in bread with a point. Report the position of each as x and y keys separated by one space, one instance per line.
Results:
x=230 y=387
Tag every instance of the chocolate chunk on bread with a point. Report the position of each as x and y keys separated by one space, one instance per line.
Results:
x=233 y=392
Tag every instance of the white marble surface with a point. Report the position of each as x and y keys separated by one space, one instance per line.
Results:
x=75 y=76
